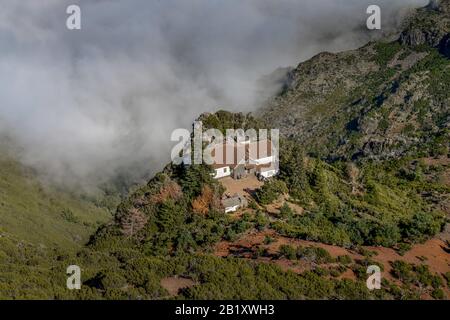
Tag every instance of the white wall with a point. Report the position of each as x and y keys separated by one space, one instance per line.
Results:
x=268 y=174
x=222 y=172
x=261 y=161
x=231 y=209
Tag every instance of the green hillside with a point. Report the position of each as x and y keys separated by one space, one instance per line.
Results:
x=364 y=165
x=43 y=215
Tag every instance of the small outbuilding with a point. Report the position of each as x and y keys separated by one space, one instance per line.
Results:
x=234 y=203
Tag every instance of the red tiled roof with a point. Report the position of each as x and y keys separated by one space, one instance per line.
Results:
x=231 y=155
x=259 y=149
x=228 y=155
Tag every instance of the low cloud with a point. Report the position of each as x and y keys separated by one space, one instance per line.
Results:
x=84 y=106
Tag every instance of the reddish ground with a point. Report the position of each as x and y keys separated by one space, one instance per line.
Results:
x=174 y=284
x=443 y=161
x=431 y=253
x=243 y=187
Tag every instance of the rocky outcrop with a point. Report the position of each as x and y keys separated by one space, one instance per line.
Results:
x=433 y=5
x=431 y=26
x=380 y=101
x=418 y=37
x=444 y=46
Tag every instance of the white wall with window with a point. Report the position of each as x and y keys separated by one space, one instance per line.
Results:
x=268 y=173
x=232 y=209
x=222 y=172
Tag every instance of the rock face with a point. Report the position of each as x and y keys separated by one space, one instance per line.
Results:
x=444 y=46
x=417 y=37
x=433 y=5
x=382 y=100
x=431 y=26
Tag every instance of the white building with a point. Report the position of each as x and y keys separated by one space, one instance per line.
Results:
x=232 y=204
x=240 y=159
x=227 y=157
x=267 y=172
x=262 y=154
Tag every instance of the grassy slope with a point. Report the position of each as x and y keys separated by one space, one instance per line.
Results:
x=43 y=216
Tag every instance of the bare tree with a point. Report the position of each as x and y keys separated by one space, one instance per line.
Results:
x=133 y=222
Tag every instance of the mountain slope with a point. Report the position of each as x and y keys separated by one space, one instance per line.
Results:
x=384 y=100
x=384 y=105
x=43 y=215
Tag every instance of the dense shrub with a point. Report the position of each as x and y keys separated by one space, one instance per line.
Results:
x=270 y=191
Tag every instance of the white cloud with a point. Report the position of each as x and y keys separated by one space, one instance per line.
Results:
x=86 y=104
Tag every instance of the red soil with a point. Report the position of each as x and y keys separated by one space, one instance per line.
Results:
x=431 y=253
x=174 y=284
